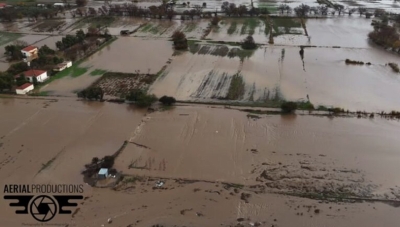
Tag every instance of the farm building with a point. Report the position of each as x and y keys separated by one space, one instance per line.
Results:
x=23 y=89
x=29 y=51
x=60 y=67
x=103 y=173
x=40 y=75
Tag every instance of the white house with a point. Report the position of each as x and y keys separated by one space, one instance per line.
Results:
x=60 y=67
x=40 y=75
x=29 y=51
x=103 y=173
x=23 y=89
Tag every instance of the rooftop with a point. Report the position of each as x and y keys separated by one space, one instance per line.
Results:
x=103 y=171
x=22 y=87
x=31 y=73
x=29 y=48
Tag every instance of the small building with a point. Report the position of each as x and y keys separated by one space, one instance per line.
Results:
x=59 y=4
x=29 y=51
x=24 y=89
x=103 y=173
x=2 y=5
x=40 y=75
x=60 y=67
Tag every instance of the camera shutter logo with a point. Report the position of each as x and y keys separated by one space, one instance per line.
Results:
x=43 y=208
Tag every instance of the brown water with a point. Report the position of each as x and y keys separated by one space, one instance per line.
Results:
x=200 y=143
x=132 y=54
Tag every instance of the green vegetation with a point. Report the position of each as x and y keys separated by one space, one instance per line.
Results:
x=305 y=105
x=180 y=41
x=287 y=24
x=236 y=88
x=232 y=27
x=97 y=72
x=167 y=100
x=98 y=22
x=249 y=26
x=190 y=27
x=266 y=6
x=140 y=98
x=288 y=107
x=249 y=43
x=91 y=93
x=146 y=27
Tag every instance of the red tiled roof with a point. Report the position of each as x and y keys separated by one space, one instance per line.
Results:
x=22 y=87
x=3 y=4
x=31 y=73
x=29 y=48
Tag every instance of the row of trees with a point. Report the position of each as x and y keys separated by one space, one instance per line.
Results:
x=13 y=13
x=304 y=10
x=231 y=9
x=13 y=51
x=138 y=96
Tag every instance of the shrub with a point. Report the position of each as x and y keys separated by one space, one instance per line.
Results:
x=288 y=107
x=108 y=162
x=180 y=41
x=394 y=66
x=167 y=100
x=90 y=93
x=249 y=43
x=215 y=21
x=140 y=98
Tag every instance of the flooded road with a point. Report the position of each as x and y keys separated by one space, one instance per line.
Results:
x=210 y=147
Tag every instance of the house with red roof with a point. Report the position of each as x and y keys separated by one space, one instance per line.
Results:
x=23 y=89
x=40 y=75
x=29 y=51
x=2 y=5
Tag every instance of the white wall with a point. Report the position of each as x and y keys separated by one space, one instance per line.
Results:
x=26 y=90
x=42 y=77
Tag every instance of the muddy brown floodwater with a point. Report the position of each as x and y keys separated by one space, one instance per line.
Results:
x=230 y=165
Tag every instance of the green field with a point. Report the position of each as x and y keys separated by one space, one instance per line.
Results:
x=6 y=37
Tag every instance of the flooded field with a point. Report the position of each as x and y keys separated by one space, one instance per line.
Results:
x=147 y=56
x=279 y=72
x=229 y=164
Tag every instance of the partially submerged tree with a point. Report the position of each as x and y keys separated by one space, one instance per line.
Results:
x=339 y=8
x=302 y=10
x=282 y=8
x=288 y=107
x=361 y=10
x=167 y=100
x=81 y=3
x=215 y=20
x=249 y=43
x=179 y=39
x=91 y=93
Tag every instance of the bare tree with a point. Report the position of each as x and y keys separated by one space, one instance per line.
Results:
x=361 y=10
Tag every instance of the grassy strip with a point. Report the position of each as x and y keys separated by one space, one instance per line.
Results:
x=97 y=72
x=73 y=68
x=232 y=28
x=6 y=37
x=236 y=89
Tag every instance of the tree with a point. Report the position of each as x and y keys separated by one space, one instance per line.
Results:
x=80 y=35
x=81 y=3
x=95 y=160
x=7 y=81
x=45 y=50
x=21 y=80
x=91 y=93
x=140 y=98
x=225 y=6
x=323 y=10
x=302 y=10
x=351 y=11
x=107 y=162
x=170 y=14
x=215 y=20
x=179 y=39
x=282 y=8
x=288 y=9
x=167 y=100
x=34 y=81
x=339 y=8
x=242 y=10
x=249 y=43
x=16 y=68
x=361 y=10
x=288 y=107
